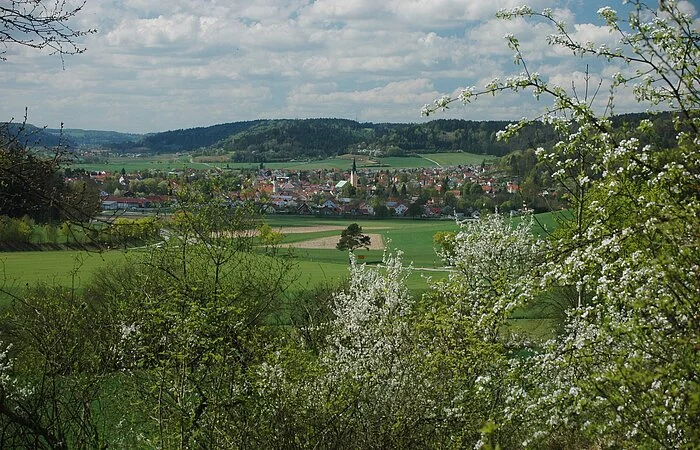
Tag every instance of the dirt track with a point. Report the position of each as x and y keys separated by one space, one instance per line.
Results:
x=294 y=230
x=377 y=243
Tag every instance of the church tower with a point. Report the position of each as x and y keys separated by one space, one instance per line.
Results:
x=353 y=174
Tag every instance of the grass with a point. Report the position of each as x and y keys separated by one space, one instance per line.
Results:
x=460 y=158
x=414 y=238
x=64 y=268
x=169 y=162
x=404 y=162
x=54 y=266
x=546 y=223
x=70 y=267
x=163 y=163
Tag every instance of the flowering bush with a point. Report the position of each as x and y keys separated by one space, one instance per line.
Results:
x=624 y=371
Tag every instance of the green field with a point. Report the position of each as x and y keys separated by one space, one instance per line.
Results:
x=312 y=266
x=413 y=237
x=19 y=270
x=163 y=163
x=168 y=162
x=456 y=159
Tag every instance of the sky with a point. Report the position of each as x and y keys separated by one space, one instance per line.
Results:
x=163 y=65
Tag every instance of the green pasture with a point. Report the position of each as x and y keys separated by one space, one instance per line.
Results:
x=163 y=163
x=315 y=272
x=546 y=223
x=459 y=158
x=413 y=237
x=322 y=164
x=312 y=267
x=63 y=267
x=169 y=162
x=403 y=162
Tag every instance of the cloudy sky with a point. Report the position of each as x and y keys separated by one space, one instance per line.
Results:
x=160 y=65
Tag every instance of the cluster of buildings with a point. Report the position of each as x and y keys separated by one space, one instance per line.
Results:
x=426 y=192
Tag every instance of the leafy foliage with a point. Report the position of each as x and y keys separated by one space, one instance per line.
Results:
x=56 y=353
x=185 y=331
x=622 y=373
x=33 y=186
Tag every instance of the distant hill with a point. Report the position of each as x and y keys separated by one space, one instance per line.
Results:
x=187 y=139
x=33 y=136
x=94 y=138
x=285 y=139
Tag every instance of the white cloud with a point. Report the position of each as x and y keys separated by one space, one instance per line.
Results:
x=688 y=7
x=179 y=63
x=398 y=93
x=328 y=10
x=432 y=12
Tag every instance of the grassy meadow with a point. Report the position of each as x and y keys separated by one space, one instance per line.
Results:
x=68 y=267
x=456 y=159
x=63 y=267
x=168 y=162
x=312 y=266
x=165 y=163
x=414 y=238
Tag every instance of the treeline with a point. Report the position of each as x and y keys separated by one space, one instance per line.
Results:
x=321 y=138
x=280 y=140
x=187 y=139
x=32 y=136
x=24 y=233
x=285 y=139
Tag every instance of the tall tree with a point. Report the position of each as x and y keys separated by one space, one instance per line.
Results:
x=33 y=185
x=352 y=238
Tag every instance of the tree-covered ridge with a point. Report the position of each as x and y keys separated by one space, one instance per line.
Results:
x=284 y=139
x=190 y=138
x=32 y=136
x=92 y=138
x=280 y=140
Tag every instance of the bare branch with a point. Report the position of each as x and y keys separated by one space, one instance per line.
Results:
x=41 y=24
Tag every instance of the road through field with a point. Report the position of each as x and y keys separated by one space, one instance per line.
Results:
x=431 y=160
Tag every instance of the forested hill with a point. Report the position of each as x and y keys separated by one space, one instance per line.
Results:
x=190 y=138
x=33 y=136
x=285 y=139
x=281 y=139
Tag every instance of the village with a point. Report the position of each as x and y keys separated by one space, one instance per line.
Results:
x=438 y=192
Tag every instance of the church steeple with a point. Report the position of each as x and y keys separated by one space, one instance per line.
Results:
x=353 y=174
